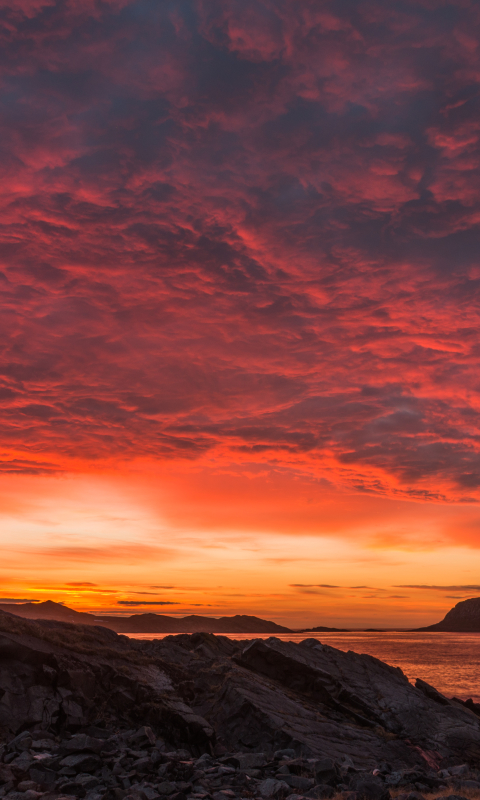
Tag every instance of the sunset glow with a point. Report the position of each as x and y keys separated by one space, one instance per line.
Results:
x=239 y=275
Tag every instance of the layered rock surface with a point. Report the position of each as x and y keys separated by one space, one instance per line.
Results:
x=87 y=713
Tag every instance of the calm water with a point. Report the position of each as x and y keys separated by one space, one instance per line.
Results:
x=448 y=661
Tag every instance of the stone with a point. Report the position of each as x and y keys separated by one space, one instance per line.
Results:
x=325 y=771
x=297 y=782
x=250 y=760
x=21 y=742
x=167 y=787
x=44 y=777
x=273 y=788
x=83 y=743
x=369 y=788
x=83 y=762
x=144 y=735
x=461 y=769
x=321 y=791
x=451 y=797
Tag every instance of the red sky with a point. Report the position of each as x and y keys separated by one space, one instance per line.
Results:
x=239 y=329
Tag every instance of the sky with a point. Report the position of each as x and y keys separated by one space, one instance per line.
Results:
x=239 y=323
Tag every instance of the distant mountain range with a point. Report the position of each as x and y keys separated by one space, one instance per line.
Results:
x=462 y=618
x=145 y=623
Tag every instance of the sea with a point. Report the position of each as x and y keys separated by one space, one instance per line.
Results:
x=448 y=661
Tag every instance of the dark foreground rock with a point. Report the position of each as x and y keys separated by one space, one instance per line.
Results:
x=85 y=713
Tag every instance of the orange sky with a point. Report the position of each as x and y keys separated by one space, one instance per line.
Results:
x=183 y=539
x=239 y=307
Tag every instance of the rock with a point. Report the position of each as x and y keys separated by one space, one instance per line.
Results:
x=367 y=787
x=21 y=742
x=144 y=735
x=44 y=777
x=286 y=753
x=83 y=762
x=167 y=787
x=325 y=771
x=83 y=743
x=321 y=791
x=330 y=718
x=273 y=788
x=250 y=760
x=297 y=782
x=451 y=797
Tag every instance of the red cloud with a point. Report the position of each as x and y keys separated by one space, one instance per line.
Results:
x=243 y=230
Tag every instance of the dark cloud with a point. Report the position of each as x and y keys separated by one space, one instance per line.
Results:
x=464 y=588
x=314 y=586
x=244 y=229
x=17 y=600
x=147 y=603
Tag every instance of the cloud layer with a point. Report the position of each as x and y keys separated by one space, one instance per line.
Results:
x=245 y=231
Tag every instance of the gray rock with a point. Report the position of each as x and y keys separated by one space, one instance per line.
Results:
x=367 y=787
x=82 y=762
x=297 y=782
x=321 y=791
x=325 y=771
x=461 y=769
x=452 y=797
x=144 y=735
x=250 y=760
x=167 y=787
x=81 y=743
x=273 y=788
x=44 y=777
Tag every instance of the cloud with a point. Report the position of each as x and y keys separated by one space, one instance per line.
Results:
x=147 y=603
x=113 y=552
x=81 y=584
x=315 y=585
x=464 y=588
x=17 y=600
x=253 y=240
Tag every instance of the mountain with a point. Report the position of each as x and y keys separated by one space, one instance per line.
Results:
x=462 y=618
x=145 y=623
x=48 y=610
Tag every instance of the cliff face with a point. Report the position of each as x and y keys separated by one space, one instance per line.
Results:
x=462 y=618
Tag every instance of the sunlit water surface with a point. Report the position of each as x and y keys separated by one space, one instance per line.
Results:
x=448 y=661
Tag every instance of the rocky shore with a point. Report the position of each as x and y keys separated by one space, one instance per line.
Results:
x=85 y=713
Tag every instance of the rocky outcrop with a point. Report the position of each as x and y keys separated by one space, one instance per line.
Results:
x=87 y=713
x=462 y=618
x=145 y=623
